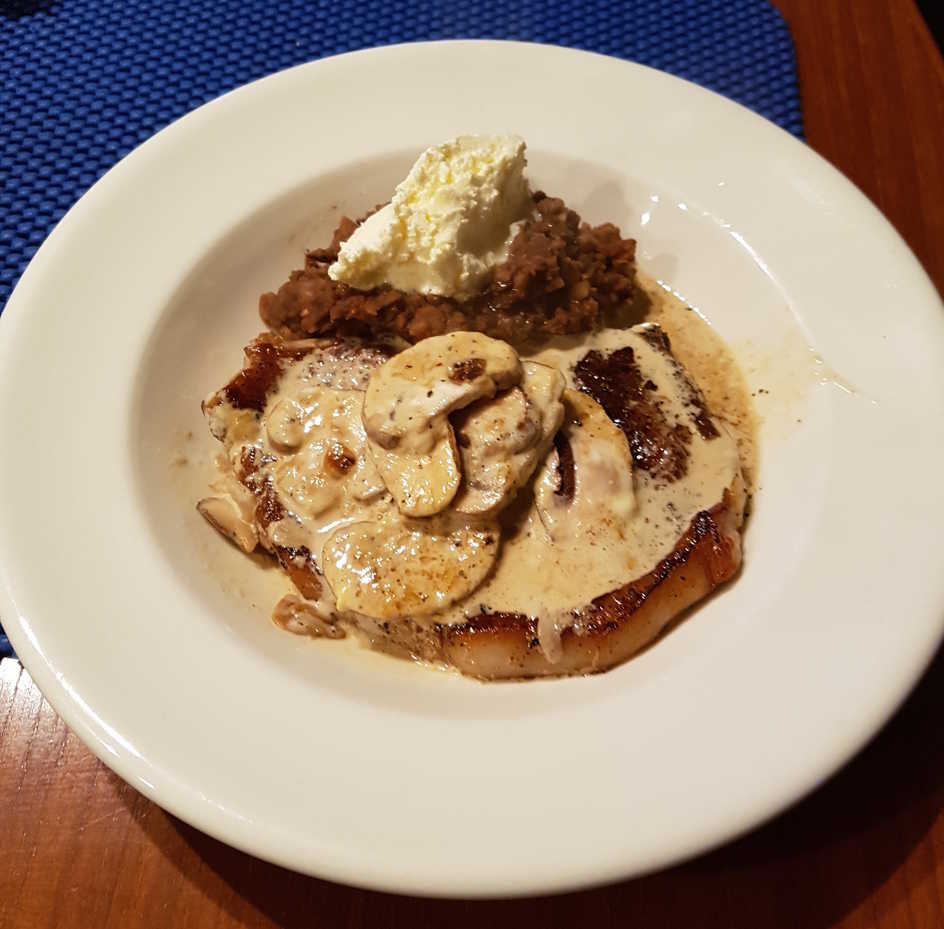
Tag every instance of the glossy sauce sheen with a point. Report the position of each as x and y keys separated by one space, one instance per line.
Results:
x=709 y=361
x=556 y=559
x=567 y=538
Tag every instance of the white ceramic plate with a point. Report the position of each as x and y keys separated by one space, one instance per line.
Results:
x=149 y=636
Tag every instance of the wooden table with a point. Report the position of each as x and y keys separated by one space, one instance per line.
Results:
x=78 y=847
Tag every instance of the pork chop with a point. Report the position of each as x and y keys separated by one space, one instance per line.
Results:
x=636 y=440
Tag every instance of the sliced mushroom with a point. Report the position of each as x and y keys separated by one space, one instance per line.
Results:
x=303 y=617
x=305 y=485
x=285 y=425
x=407 y=568
x=407 y=404
x=228 y=424
x=223 y=514
x=321 y=439
x=501 y=440
x=226 y=484
x=603 y=493
x=433 y=377
x=366 y=482
x=421 y=485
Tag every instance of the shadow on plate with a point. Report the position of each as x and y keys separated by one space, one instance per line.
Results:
x=809 y=867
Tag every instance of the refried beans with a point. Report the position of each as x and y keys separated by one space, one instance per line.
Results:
x=561 y=276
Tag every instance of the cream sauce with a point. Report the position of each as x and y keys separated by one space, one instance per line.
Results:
x=311 y=447
x=709 y=361
x=555 y=559
x=556 y=554
x=406 y=410
x=328 y=480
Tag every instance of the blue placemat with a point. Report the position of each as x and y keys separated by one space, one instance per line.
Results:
x=82 y=82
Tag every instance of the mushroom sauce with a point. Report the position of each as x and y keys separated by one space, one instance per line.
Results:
x=561 y=523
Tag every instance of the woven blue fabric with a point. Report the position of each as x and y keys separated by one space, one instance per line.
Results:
x=82 y=82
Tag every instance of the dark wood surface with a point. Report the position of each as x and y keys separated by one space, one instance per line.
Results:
x=79 y=848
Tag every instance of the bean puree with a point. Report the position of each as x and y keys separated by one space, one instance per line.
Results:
x=562 y=276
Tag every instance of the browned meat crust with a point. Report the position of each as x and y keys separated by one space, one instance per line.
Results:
x=266 y=358
x=562 y=276
x=617 y=384
x=297 y=562
x=615 y=626
x=618 y=624
x=607 y=631
x=615 y=381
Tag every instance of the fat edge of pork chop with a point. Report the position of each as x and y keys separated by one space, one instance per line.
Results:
x=618 y=624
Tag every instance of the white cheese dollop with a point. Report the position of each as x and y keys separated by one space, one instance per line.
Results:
x=450 y=221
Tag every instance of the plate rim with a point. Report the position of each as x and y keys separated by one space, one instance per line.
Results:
x=172 y=797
